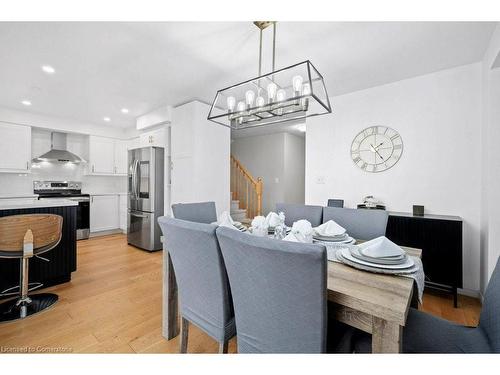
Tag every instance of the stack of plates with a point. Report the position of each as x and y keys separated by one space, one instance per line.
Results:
x=240 y=226
x=271 y=230
x=338 y=239
x=378 y=253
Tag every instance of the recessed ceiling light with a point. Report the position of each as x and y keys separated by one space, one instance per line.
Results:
x=124 y=110
x=107 y=119
x=26 y=102
x=48 y=69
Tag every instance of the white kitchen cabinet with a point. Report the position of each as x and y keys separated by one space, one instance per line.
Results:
x=121 y=154
x=134 y=143
x=15 y=143
x=104 y=213
x=153 y=138
x=123 y=212
x=107 y=156
x=101 y=155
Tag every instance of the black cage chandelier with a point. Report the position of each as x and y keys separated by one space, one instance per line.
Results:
x=292 y=93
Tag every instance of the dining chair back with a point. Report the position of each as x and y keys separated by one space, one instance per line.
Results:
x=335 y=203
x=279 y=293
x=202 y=212
x=204 y=293
x=295 y=212
x=361 y=224
x=489 y=320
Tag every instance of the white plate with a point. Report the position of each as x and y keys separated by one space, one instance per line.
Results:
x=380 y=247
x=347 y=255
x=331 y=238
x=333 y=241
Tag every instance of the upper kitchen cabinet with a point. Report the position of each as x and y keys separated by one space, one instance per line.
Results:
x=153 y=138
x=15 y=144
x=121 y=152
x=107 y=156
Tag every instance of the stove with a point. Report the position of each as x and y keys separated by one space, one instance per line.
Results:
x=71 y=190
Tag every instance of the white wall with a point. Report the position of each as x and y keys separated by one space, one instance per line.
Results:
x=279 y=159
x=200 y=157
x=295 y=168
x=490 y=160
x=263 y=156
x=439 y=118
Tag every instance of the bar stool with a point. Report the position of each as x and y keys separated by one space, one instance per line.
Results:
x=23 y=237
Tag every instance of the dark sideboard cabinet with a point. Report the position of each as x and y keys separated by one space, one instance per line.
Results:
x=440 y=238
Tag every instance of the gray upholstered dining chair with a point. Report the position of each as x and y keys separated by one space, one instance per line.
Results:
x=294 y=212
x=279 y=293
x=205 y=297
x=361 y=224
x=425 y=333
x=202 y=212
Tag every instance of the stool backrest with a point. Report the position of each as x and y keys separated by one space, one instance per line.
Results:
x=46 y=228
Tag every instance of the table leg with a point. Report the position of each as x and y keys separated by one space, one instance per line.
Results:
x=386 y=336
x=170 y=300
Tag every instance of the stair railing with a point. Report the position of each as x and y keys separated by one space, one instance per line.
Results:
x=246 y=189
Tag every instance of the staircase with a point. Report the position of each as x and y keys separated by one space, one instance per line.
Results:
x=246 y=193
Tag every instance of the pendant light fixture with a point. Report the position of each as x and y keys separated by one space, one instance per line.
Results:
x=288 y=94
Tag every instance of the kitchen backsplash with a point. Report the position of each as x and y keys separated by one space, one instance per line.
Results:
x=16 y=184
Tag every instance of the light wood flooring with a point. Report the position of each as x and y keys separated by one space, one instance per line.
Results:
x=113 y=305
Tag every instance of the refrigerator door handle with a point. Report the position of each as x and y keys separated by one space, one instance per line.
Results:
x=134 y=179
x=137 y=188
x=138 y=215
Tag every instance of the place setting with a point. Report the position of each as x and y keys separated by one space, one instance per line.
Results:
x=331 y=233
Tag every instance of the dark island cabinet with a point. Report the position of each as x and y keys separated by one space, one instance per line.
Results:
x=440 y=238
x=62 y=258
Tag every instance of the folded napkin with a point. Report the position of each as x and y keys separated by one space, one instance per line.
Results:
x=273 y=219
x=291 y=237
x=225 y=220
x=330 y=229
x=259 y=226
x=225 y=217
x=381 y=247
x=303 y=231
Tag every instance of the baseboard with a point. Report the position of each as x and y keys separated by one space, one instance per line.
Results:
x=106 y=232
x=470 y=293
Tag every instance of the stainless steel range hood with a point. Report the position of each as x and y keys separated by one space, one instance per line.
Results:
x=58 y=151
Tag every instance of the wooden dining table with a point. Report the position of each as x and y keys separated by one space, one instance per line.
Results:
x=374 y=303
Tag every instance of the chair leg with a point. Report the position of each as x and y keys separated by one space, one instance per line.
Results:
x=184 y=334
x=223 y=347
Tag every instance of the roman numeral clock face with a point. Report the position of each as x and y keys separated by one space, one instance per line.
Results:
x=376 y=149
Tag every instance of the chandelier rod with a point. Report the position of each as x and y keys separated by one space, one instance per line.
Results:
x=274 y=45
x=260 y=54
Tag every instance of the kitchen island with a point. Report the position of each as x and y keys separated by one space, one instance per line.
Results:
x=62 y=259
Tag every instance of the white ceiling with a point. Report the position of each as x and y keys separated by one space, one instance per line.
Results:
x=102 y=67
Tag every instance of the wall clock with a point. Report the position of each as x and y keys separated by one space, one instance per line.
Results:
x=377 y=148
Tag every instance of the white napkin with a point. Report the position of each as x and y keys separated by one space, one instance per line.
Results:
x=330 y=229
x=226 y=221
x=225 y=217
x=291 y=237
x=273 y=219
x=380 y=247
x=259 y=226
x=302 y=229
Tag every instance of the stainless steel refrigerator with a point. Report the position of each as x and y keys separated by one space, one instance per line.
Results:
x=145 y=197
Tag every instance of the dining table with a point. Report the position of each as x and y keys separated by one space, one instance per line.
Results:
x=374 y=303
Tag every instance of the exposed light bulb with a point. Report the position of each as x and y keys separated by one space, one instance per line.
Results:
x=260 y=101
x=281 y=95
x=297 y=84
x=271 y=91
x=231 y=101
x=241 y=107
x=306 y=90
x=48 y=69
x=249 y=97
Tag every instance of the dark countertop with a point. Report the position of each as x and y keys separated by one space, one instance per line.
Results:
x=426 y=216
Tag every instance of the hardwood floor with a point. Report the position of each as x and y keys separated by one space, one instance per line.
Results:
x=113 y=305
